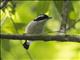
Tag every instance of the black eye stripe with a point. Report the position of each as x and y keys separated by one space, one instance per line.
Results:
x=41 y=17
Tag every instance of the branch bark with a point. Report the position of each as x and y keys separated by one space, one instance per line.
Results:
x=62 y=38
x=64 y=14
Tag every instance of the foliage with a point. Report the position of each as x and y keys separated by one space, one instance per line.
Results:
x=14 y=18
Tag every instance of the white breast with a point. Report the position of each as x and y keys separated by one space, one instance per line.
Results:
x=35 y=27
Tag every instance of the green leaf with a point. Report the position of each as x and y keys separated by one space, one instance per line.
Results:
x=41 y=7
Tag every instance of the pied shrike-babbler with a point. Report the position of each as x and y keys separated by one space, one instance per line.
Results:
x=36 y=27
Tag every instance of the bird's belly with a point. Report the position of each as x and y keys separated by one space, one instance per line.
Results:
x=35 y=30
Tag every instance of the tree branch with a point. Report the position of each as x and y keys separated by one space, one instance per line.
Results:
x=62 y=38
x=64 y=14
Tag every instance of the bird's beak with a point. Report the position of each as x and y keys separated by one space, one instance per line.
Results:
x=50 y=18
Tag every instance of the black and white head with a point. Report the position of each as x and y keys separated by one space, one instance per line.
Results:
x=42 y=17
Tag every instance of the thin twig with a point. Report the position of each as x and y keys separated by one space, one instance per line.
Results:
x=13 y=24
x=29 y=55
x=64 y=38
x=72 y=25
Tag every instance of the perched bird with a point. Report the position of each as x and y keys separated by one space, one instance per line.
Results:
x=36 y=27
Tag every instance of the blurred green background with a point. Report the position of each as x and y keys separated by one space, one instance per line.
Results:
x=13 y=20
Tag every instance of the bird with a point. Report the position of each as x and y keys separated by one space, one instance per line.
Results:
x=36 y=27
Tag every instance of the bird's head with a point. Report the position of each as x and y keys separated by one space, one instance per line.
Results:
x=42 y=17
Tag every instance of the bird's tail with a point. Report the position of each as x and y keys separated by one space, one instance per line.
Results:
x=27 y=44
